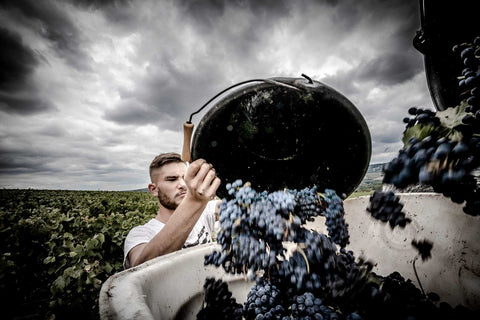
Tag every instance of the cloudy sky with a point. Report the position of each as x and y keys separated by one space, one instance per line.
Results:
x=91 y=91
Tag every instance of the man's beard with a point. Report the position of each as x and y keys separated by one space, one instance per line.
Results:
x=166 y=201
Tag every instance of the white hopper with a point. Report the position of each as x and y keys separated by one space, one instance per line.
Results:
x=171 y=286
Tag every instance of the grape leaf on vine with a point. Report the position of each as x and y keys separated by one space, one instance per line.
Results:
x=450 y=120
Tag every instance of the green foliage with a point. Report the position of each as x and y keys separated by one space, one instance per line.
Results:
x=450 y=121
x=58 y=247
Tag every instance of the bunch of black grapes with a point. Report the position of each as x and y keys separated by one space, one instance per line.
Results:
x=390 y=297
x=424 y=248
x=219 y=302
x=443 y=152
x=386 y=207
x=318 y=278
x=469 y=80
x=265 y=301
x=254 y=225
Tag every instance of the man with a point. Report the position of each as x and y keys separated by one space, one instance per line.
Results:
x=186 y=213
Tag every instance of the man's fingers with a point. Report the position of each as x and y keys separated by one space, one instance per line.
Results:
x=207 y=181
x=202 y=173
x=214 y=186
x=202 y=178
x=194 y=167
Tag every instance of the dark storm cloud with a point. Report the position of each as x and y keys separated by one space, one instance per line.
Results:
x=168 y=95
x=19 y=94
x=389 y=69
x=374 y=10
x=342 y=81
x=15 y=160
x=178 y=92
x=49 y=20
x=396 y=60
x=116 y=11
x=182 y=91
x=32 y=155
x=101 y=4
x=11 y=164
x=262 y=14
x=207 y=12
x=17 y=61
x=19 y=104
x=53 y=130
x=134 y=112
x=399 y=61
x=171 y=91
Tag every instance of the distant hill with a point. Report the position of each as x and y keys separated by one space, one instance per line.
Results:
x=378 y=167
x=373 y=178
x=138 y=190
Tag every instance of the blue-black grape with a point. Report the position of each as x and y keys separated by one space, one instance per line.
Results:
x=308 y=306
x=264 y=301
x=219 y=302
x=335 y=221
x=424 y=247
x=386 y=207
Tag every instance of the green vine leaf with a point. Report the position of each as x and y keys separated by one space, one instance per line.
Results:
x=452 y=117
x=450 y=121
x=418 y=131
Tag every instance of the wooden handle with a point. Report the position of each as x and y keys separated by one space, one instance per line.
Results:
x=187 y=137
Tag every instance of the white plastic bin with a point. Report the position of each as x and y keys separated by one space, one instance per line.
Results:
x=171 y=286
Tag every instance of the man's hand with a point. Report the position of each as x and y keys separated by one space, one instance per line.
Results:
x=201 y=180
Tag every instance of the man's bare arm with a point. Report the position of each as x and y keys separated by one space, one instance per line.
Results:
x=202 y=184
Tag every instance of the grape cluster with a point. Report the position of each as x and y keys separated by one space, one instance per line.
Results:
x=254 y=225
x=264 y=301
x=386 y=206
x=390 y=297
x=308 y=204
x=421 y=116
x=218 y=302
x=444 y=164
x=442 y=152
x=312 y=264
x=251 y=232
x=469 y=80
x=307 y=306
x=424 y=247
x=335 y=222
x=317 y=266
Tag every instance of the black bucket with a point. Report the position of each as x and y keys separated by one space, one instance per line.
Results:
x=285 y=133
x=443 y=25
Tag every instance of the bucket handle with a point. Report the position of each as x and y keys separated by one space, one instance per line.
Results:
x=188 y=125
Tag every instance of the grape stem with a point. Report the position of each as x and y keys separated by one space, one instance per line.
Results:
x=416 y=274
x=299 y=249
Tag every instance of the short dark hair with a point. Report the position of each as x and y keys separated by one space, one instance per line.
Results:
x=163 y=159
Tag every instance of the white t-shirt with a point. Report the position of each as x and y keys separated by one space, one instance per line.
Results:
x=200 y=234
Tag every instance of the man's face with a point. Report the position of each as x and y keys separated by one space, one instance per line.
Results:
x=170 y=186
